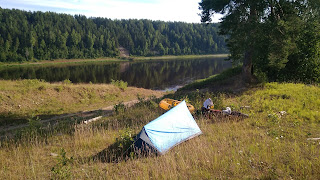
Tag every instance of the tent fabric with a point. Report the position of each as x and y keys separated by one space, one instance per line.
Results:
x=143 y=142
x=170 y=129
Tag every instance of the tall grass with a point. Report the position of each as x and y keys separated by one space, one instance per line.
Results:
x=263 y=146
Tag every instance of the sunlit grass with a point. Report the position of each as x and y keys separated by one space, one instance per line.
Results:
x=264 y=146
x=27 y=98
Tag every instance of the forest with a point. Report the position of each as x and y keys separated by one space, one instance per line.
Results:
x=30 y=36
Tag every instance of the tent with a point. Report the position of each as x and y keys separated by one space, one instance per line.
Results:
x=168 y=130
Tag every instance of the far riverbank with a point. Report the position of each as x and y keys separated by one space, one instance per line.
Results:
x=110 y=59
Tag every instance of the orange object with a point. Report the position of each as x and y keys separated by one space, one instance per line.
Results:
x=167 y=104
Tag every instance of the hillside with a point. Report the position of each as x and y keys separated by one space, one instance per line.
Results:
x=28 y=36
x=267 y=145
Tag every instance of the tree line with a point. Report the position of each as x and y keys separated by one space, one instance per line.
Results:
x=276 y=40
x=28 y=36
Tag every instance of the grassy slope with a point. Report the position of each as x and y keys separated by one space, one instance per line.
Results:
x=228 y=80
x=25 y=98
x=263 y=146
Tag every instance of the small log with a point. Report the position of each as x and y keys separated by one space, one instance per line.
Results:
x=54 y=154
x=313 y=139
x=92 y=120
x=245 y=107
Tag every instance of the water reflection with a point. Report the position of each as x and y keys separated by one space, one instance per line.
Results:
x=162 y=74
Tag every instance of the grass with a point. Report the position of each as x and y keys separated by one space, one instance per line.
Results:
x=23 y=99
x=222 y=79
x=63 y=61
x=108 y=59
x=181 y=57
x=266 y=145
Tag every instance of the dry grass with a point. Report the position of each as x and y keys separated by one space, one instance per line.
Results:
x=26 y=98
x=259 y=147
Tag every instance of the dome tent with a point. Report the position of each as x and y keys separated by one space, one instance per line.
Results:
x=168 y=130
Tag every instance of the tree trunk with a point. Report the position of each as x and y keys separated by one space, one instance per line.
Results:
x=247 y=67
x=247 y=62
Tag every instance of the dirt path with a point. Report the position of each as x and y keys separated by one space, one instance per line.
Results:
x=106 y=111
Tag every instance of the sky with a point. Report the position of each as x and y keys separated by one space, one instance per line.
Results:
x=164 y=10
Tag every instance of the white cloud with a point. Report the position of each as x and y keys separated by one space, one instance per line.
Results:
x=166 y=10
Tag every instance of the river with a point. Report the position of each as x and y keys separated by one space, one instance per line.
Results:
x=154 y=74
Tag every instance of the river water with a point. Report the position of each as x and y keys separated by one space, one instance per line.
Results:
x=156 y=74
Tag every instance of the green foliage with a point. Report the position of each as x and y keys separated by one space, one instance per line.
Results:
x=218 y=101
x=279 y=39
x=119 y=108
x=125 y=139
x=33 y=129
x=150 y=103
x=202 y=83
x=32 y=83
x=261 y=76
x=62 y=170
x=186 y=99
x=27 y=36
x=120 y=84
x=67 y=81
x=304 y=64
x=122 y=148
x=58 y=88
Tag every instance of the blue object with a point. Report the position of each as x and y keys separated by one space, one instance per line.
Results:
x=168 y=130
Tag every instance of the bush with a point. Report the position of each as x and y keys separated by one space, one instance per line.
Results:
x=30 y=83
x=120 y=84
x=119 y=108
x=67 y=81
x=62 y=169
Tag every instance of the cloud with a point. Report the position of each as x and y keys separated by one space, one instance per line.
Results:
x=166 y=10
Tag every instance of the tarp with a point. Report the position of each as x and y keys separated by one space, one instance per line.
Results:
x=170 y=129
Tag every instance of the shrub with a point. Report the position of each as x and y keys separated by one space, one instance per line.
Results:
x=58 y=88
x=62 y=169
x=119 y=108
x=29 y=83
x=67 y=81
x=120 y=84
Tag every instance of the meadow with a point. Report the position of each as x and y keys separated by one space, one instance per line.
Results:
x=267 y=145
x=24 y=99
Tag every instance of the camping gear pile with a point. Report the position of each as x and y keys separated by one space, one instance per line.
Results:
x=207 y=109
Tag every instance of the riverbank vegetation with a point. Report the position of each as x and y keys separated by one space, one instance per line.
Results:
x=111 y=59
x=270 y=144
x=30 y=36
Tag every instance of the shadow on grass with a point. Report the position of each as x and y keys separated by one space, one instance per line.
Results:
x=9 y=124
x=124 y=149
